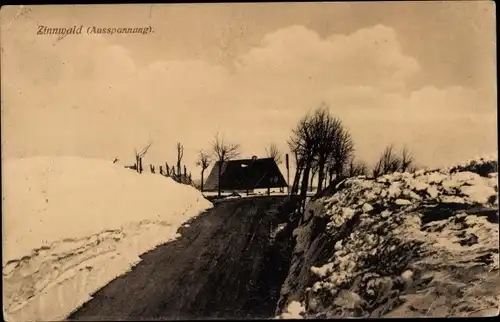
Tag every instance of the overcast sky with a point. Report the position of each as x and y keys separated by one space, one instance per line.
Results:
x=415 y=73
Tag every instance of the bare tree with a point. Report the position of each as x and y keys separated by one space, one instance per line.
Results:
x=342 y=151
x=303 y=144
x=327 y=129
x=223 y=152
x=299 y=164
x=320 y=140
x=314 y=171
x=180 y=154
x=357 y=168
x=335 y=148
x=139 y=155
x=167 y=169
x=388 y=162
x=377 y=168
x=406 y=160
x=273 y=152
x=203 y=162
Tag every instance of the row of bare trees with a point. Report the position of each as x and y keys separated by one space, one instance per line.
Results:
x=222 y=151
x=324 y=149
x=174 y=172
x=321 y=146
x=390 y=162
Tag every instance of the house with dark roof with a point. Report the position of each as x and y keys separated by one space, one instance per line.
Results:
x=245 y=175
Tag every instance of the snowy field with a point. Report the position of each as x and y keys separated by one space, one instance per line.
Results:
x=71 y=225
x=403 y=245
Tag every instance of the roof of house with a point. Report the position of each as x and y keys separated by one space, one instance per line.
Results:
x=246 y=174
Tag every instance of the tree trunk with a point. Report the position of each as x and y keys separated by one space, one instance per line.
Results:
x=321 y=175
x=338 y=173
x=202 y=172
x=295 y=184
x=303 y=188
x=219 y=177
x=331 y=172
x=298 y=172
x=311 y=183
x=296 y=179
x=305 y=177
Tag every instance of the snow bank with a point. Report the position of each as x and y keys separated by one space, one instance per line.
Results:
x=401 y=245
x=71 y=225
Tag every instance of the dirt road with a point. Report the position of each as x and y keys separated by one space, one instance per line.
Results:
x=225 y=265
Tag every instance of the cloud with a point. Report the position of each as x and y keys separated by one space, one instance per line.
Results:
x=439 y=125
x=85 y=95
x=366 y=57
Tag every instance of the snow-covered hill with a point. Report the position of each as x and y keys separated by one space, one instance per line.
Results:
x=402 y=245
x=71 y=225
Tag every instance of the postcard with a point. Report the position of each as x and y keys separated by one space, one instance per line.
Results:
x=249 y=161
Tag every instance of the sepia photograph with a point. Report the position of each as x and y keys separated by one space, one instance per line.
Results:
x=257 y=160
